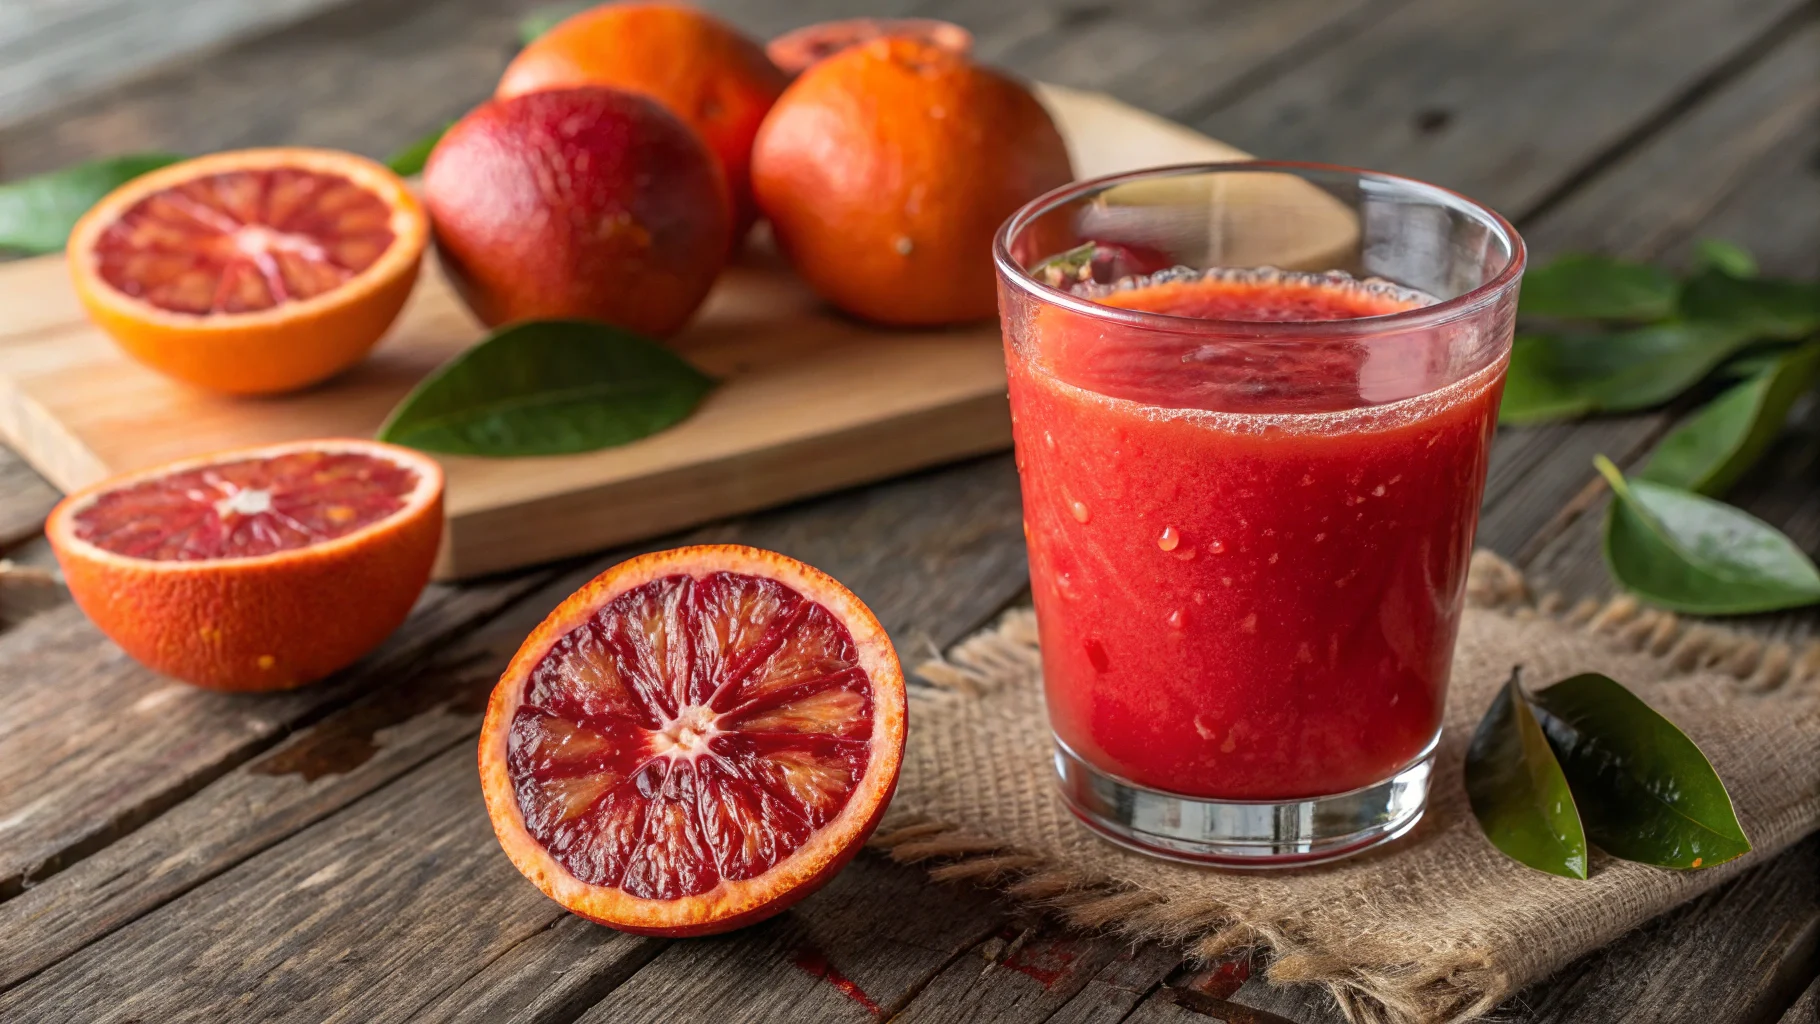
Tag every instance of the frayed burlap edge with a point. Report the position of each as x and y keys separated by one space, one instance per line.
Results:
x=1454 y=988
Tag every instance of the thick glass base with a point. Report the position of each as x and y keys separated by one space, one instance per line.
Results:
x=1244 y=833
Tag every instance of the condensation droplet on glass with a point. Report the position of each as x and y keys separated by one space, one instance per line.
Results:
x=1216 y=546
x=1249 y=624
x=1307 y=479
x=1319 y=537
x=1185 y=554
x=1378 y=490
x=1273 y=558
x=1168 y=539
x=1199 y=597
x=1207 y=731
x=1175 y=619
x=1049 y=439
x=1080 y=511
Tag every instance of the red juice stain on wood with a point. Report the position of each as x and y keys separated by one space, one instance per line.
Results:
x=1221 y=978
x=814 y=962
x=1047 y=962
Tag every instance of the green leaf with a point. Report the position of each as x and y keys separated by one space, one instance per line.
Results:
x=1518 y=791
x=1583 y=287
x=1646 y=791
x=36 y=214
x=1763 y=307
x=543 y=19
x=1726 y=258
x=1555 y=376
x=1696 y=555
x=1718 y=444
x=410 y=159
x=548 y=387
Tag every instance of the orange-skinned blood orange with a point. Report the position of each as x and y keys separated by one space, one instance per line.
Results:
x=251 y=272
x=885 y=170
x=256 y=569
x=694 y=740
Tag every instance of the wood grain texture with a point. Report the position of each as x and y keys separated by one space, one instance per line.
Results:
x=1118 y=987
x=1806 y=1009
x=1662 y=196
x=1762 y=932
x=1429 y=88
x=25 y=499
x=50 y=52
x=93 y=745
x=550 y=978
x=1024 y=973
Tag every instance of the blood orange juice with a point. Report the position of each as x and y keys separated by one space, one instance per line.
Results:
x=1250 y=497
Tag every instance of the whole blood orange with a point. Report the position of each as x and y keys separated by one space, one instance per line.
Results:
x=718 y=81
x=694 y=740
x=586 y=203
x=796 y=50
x=255 y=569
x=251 y=272
x=885 y=170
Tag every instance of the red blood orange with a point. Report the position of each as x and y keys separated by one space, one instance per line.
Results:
x=796 y=50
x=251 y=272
x=256 y=569
x=694 y=740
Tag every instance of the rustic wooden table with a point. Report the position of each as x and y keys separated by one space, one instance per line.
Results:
x=168 y=854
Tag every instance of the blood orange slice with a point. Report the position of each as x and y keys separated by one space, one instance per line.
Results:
x=257 y=569
x=796 y=50
x=694 y=741
x=255 y=271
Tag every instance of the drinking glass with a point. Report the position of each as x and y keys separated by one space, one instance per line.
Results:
x=1248 y=526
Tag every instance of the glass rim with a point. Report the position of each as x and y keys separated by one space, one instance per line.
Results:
x=1422 y=317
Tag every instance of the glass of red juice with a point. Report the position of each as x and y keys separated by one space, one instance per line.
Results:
x=1252 y=405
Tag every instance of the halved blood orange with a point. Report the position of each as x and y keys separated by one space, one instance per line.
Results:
x=694 y=740
x=256 y=271
x=796 y=50
x=255 y=569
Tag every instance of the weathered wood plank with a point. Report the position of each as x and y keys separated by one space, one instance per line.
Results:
x=1024 y=973
x=928 y=526
x=1118 y=987
x=92 y=744
x=1661 y=197
x=550 y=978
x=786 y=968
x=1763 y=955
x=1168 y=56
x=25 y=499
x=50 y=52
x=1806 y=1009
x=1503 y=102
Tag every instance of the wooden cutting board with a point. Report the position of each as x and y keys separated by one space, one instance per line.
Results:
x=811 y=401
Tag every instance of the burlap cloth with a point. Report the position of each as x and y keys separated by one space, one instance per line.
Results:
x=1437 y=926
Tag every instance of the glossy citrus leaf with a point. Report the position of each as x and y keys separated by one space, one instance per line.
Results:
x=1555 y=376
x=1726 y=257
x=548 y=387
x=1518 y=791
x=1719 y=443
x=36 y=214
x=1692 y=554
x=1584 y=287
x=1646 y=792
x=1761 y=307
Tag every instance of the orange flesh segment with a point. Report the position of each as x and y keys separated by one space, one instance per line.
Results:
x=244 y=241
x=246 y=508
x=692 y=730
